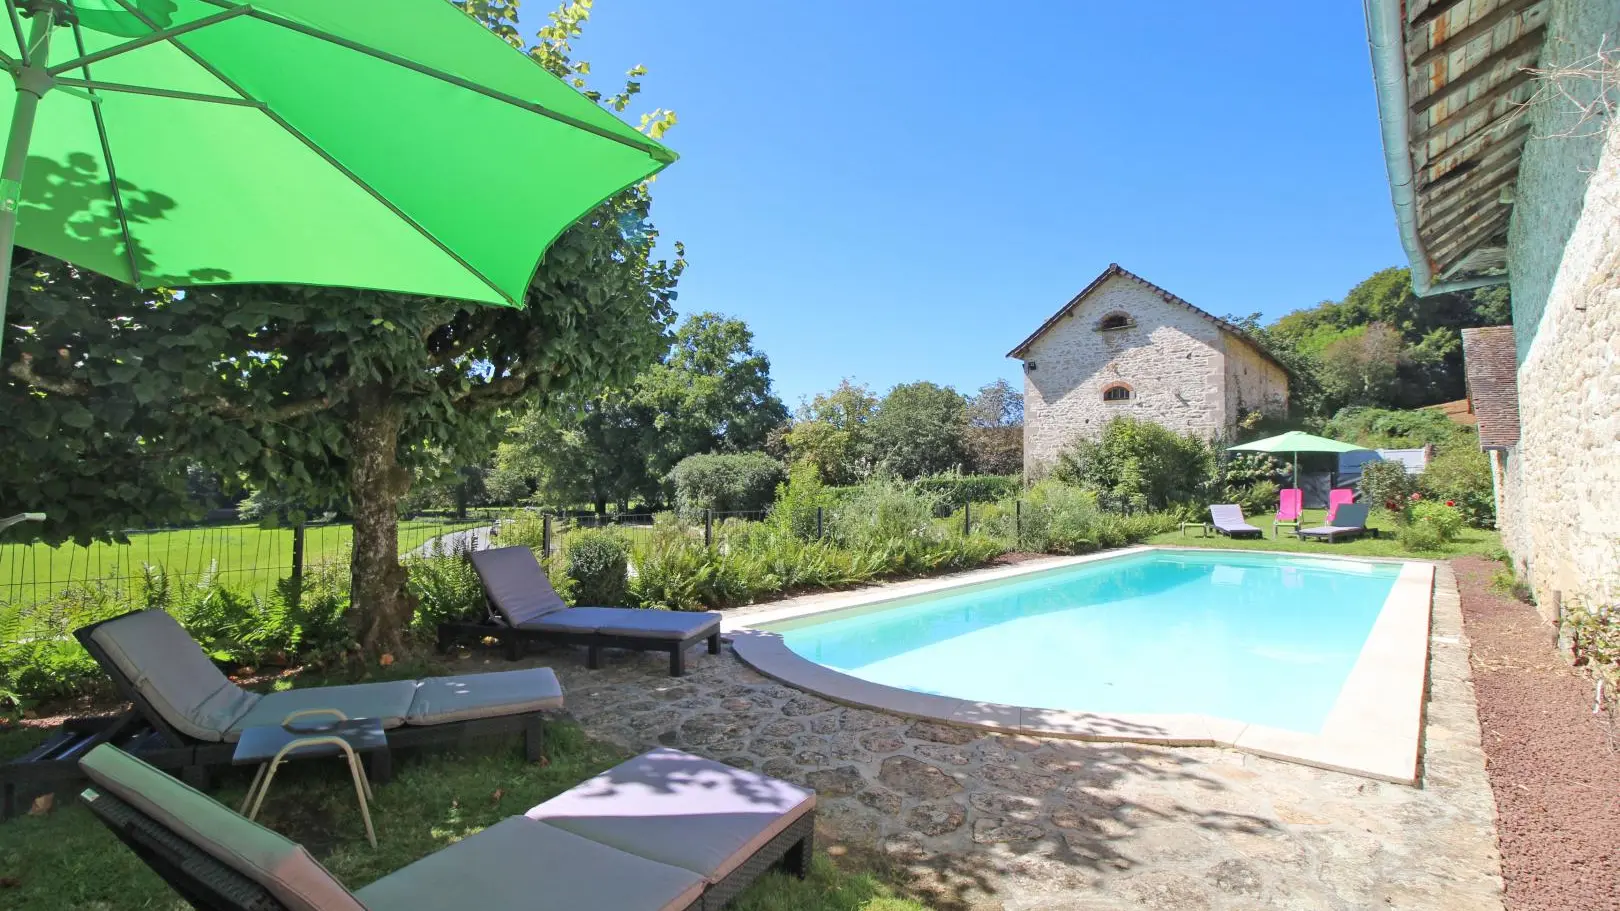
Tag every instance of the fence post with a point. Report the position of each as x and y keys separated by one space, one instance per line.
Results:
x=545 y=535
x=967 y=519
x=708 y=528
x=1018 y=523
x=818 y=523
x=296 y=583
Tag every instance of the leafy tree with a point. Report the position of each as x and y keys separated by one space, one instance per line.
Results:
x=918 y=430
x=590 y=448
x=994 y=438
x=1361 y=366
x=831 y=432
x=328 y=396
x=734 y=482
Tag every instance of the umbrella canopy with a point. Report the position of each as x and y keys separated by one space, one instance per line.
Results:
x=1296 y=442
x=398 y=146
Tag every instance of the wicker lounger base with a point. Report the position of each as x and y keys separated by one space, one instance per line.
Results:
x=210 y=885
x=516 y=640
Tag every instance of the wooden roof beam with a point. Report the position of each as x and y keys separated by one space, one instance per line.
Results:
x=1460 y=83
x=1468 y=242
x=1446 y=203
x=1483 y=102
x=1484 y=159
x=1464 y=35
x=1433 y=11
x=1511 y=114
x=1439 y=235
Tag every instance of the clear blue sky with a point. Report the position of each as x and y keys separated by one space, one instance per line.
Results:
x=903 y=191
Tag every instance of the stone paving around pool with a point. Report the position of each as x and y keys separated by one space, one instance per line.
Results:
x=989 y=821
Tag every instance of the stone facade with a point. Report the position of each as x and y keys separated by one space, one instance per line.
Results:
x=1560 y=486
x=1183 y=369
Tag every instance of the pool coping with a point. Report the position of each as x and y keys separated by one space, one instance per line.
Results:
x=1374 y=729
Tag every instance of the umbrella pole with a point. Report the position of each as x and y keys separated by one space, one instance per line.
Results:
x=32 y=83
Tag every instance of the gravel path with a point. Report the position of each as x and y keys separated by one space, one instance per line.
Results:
x=1551 y=764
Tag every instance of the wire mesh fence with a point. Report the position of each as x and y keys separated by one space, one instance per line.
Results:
x=242 y=556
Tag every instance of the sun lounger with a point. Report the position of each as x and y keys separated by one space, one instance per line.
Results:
x=662 y=832
x=1338 y=496
x=1350 y=522
x=1228 y=520
x=524 y=608
x=179 y=691
x=1290 y=503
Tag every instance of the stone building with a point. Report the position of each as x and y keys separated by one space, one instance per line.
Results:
x=1505 y=169
x=1125 y=346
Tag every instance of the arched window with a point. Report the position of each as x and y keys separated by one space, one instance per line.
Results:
x=1117 y=393
x=1114 y=321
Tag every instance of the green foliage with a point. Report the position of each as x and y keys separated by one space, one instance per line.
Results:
x=1383 y=428
x=1421 y=537
x=798 y=500
x=1462 y=477
x=597 y=562
x=1447 y=520
x=957 y=490
x=743 y=482
x=446 y=588
x=994 y=437
x=883 y=511
x=1594 y=632
x=1057 y=518
x=1385 y=484
x=831 y=433
x=918 y=430
x=1138 y=465
x=1252 y=480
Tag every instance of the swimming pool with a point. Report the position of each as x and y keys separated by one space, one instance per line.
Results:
x=1262 y=639
x=1314 y=659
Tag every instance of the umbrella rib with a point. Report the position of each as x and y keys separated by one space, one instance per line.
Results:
x=658 y=152
x=148 y=39
x=16 y=29
x=100 y=86
x=112 y=171
x=310 y=144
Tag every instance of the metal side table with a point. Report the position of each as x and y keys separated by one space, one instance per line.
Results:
x=338 y=735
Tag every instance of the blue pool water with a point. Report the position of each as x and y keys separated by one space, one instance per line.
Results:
x=1264 y=639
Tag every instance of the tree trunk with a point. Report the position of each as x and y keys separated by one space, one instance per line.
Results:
x=380 y=604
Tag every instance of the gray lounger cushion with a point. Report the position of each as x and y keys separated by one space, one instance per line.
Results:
x=282 y=867
x=1351 y=519
x=516 y=584
x=626 y=621
x=171 y=671
x=1229 y=518
x=520 y=864
x=443 y=700
x=679 y=809
x=388 y=701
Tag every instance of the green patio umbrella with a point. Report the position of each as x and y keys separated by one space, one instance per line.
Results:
x=324 y=142
x=1296 y=442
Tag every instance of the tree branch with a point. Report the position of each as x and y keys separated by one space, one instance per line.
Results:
x=228 y=409
x=23 y=369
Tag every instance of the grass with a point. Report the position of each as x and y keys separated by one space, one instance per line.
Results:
x=1471 y=541
x=66 y=860
x=244 y=556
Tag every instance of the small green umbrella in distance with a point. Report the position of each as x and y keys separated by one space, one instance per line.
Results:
x=398 y=146
x=1296 y=442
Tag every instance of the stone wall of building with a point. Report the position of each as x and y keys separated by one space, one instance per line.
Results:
x=1254 y=382
x=1172 y=360
x=1562 y=520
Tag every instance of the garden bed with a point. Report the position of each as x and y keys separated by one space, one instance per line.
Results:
x=1552 y=763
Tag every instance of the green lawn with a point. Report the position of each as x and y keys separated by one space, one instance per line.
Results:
x=66 y=860
x=243 y=556
x=1471 y=541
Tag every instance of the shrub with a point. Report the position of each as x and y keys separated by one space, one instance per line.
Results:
x=884 y=511
x=1252 y=480
x=446 y=588
x=958 y=490
x=743 y=482
x=1138 y=465
x=1057 y=518
x=596 y=561
x=1447 y=520
x=797 y=500
x=1382 y=428
x=1462 y=477
x=674 y=571
x=1385 y=484
x=1421 y=536
x=1115 y=530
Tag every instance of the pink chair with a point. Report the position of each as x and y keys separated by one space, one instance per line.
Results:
x=1290 y=505
x=1339 y=496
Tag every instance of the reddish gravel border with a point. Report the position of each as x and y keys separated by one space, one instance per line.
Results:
x=1553 y=770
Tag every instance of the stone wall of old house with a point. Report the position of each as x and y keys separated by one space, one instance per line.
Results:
x=1172 y=360
x=1253 y=381
x=1563 y=519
